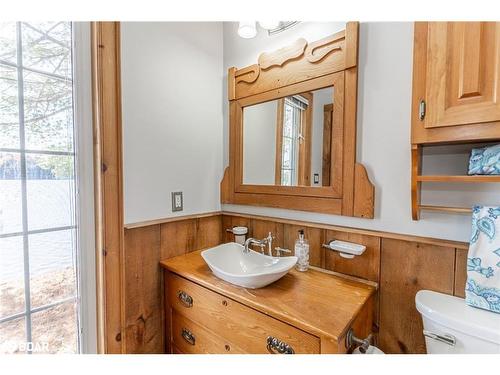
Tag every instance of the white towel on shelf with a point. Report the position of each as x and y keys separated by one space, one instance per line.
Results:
x=483 y=261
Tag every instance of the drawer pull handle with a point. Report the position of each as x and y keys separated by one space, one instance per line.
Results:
x=276 y=346
x=188 y=336
x=185 y=298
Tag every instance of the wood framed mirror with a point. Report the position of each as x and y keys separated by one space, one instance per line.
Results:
x=293 y=130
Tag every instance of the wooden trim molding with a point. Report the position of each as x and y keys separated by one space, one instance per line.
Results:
x=171 y=219
x=433 y=264
x=367 y=232
x=308 y=224
x=105 y=47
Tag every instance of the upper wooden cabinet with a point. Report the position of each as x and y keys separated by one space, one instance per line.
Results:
x=456 y=82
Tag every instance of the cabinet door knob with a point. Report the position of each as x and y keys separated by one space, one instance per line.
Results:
x=185 y=298
x=188 y=336
x=276 y=346
x=421 y=110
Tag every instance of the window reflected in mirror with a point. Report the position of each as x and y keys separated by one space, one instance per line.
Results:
x=287 y=142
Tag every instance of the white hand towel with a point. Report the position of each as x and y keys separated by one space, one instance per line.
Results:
x=483 y=261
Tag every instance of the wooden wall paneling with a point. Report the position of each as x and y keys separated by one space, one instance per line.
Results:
x=460 y=272
x=406 y=268
x=366 y=266
x=261 y=228
x=402 y=264
x=226 y=223
x=105 y=49
x=314 y=235
x=367 y=232
x=183 y=236
x=208 y=232
x=177 y=238
x=143 y=291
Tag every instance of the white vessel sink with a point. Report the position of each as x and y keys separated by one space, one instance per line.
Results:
x=250 y=270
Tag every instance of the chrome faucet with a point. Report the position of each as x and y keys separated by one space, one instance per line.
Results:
x=261 y=243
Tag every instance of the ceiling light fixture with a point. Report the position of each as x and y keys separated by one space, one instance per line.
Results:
x=269 y=25
x=247 y=29
x=283 y=25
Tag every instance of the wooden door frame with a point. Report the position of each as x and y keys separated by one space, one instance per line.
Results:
x=108 y=185
x=326 y=159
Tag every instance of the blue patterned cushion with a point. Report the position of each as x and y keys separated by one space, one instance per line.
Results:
x=485 y=160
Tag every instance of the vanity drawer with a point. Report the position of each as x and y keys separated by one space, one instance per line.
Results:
x=191 y=338
x=241 y=325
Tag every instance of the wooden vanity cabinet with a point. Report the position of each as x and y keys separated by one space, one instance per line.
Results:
x=456 y=82
x=302 y=313
x=221 y=324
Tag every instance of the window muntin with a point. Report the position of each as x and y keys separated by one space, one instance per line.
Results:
x=38 y=270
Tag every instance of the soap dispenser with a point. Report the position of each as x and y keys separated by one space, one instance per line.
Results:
x=302 y=252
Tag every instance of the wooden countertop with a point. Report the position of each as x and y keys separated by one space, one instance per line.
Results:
x=317 y=302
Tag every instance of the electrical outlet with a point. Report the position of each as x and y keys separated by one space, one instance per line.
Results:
x=316 y=178
x=177 y=202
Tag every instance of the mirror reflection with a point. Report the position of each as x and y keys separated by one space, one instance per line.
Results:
x=287 y=141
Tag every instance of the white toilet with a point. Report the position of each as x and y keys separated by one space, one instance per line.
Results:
x=452 y=327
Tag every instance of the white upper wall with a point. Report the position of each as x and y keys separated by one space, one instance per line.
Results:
x=384 y=99
x=172 y=117
x=259 y=143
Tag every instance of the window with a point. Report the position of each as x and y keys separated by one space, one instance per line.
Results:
x=39 y=294
x=293 y=136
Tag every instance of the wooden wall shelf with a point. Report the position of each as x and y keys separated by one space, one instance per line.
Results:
x=445 y=178
x=417 y=178
x=456 y=210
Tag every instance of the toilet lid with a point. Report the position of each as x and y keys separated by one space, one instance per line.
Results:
x=454 y=313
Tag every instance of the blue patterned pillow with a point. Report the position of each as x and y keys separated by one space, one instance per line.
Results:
x=485 y=160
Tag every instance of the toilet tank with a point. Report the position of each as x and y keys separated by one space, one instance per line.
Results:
x=452 y=327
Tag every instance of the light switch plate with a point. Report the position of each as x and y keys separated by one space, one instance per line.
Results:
x=177 y=201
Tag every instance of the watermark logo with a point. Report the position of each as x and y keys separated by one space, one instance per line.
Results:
x=13 y=346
